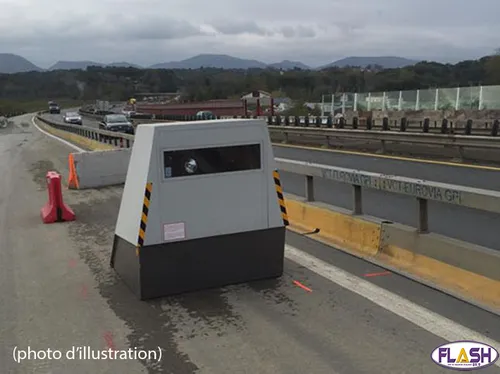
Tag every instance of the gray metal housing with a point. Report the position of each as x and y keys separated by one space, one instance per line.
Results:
x=208 y=205
x=230 y=218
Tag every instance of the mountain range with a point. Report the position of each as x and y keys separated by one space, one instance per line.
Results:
x=10 y=63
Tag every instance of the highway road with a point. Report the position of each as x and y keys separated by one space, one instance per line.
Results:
x=461 y=223
x=344 y=316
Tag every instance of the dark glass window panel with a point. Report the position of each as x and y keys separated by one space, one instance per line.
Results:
x=211 y=160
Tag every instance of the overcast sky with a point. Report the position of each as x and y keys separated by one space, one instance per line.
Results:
x=314 y=32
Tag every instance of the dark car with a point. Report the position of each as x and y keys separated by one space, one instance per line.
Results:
x=116 y=122
x=54 y=108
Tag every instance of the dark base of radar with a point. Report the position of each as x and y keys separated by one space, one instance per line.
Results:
x=173 y=268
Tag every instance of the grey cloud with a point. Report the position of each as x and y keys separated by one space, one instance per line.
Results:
x=236 y=28
x=156 y=30
x=161 y=29
x=288 y=31
x=305 y=32
x=297 y=31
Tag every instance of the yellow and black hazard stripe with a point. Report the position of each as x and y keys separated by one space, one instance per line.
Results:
x=144 y=215
x=281 y=198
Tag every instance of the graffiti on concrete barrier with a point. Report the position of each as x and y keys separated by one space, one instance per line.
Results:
x=421 y=190
x=417 y=189
x=349 y=177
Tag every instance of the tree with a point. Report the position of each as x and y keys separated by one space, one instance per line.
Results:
x=298 y=109
x=316 y=111
x=107 y=83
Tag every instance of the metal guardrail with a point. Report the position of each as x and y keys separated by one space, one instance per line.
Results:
x=460 y=141
x=402 y=124
x=422 y=190
x=296 y=133
x=119 y=140
x=424 y=125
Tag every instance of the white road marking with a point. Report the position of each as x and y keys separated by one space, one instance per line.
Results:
x=416 y=314
x=78 y=149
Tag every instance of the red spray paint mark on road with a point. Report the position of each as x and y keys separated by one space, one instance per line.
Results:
x=377 y=274
x=72 y=263
x=297 y=283
x=108 y=338
x=84 y=291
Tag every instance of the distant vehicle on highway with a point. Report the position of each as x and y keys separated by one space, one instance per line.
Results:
x=205 y=114
x=72 y=118
x=54 y=108
x=128 y=113
x=116 y=122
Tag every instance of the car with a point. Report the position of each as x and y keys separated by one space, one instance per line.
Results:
x=117 y=122
x=205 y=114
x=72 y=118
x=54 y=108
x=128 y=113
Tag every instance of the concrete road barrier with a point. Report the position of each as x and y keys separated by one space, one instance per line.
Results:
x=466 y=271
x=76 y=139
x=99 y=168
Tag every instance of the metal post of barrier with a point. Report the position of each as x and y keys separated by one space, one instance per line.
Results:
x=468 y=127
x=403 y=124
x=494 y=128
x=444 y=126
x=309 y=188
x=427 y=122
x=385 y=124
x=423 y=216
x=329 y=121
x=355 y=123
x=357 y=203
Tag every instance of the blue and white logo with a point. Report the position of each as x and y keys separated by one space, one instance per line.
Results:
x=465 y=355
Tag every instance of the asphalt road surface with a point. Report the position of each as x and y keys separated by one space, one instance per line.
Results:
x=59 y=292
x=456 y=222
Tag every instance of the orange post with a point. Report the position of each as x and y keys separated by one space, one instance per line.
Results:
x=73 y=176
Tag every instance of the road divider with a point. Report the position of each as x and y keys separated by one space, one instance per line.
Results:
x=321 y=136
x=464 y=270
x=396 y=122
x=55 y=210
x=87 y=137
x=340 y=229
x=98 y=168
x=461 y=269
